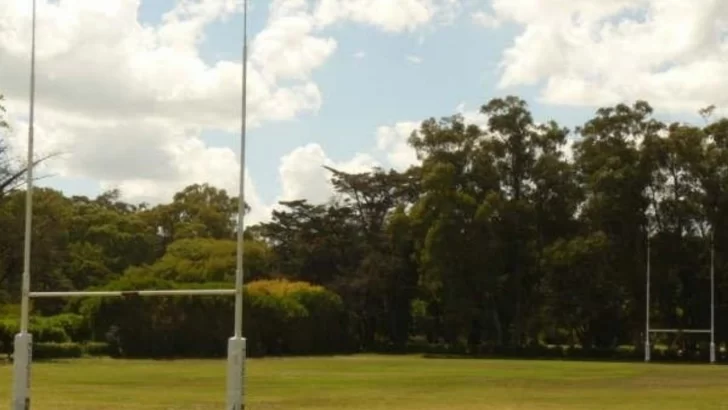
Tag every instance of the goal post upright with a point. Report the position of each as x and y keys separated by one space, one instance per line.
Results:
x=712 y=296
x=23 y=343
x=647 y=304
x=237 y=343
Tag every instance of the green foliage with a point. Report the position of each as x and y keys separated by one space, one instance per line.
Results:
x=7 y=333
x=57 y=350
x=506 y=236
x=9 y=310
x=296 y=318
x=75 y=326
x=60 y=331
x=280 y=318
x=199 y=260
x=97 y=349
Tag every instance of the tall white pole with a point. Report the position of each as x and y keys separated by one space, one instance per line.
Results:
x=712 y=296
x=25 y=305
x=22 y=354
x=241 y=196
x=236 y=344
x=647 y=304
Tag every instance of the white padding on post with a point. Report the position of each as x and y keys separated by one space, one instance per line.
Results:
x=22 y=357
x=236 y=374
x=647 y=351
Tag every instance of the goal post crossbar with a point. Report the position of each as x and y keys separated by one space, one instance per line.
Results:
x=679 y=330
x=128 y=293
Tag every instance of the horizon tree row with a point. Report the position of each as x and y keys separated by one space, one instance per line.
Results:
x=512 y=234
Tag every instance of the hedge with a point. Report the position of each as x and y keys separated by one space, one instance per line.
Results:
x=540 y=352
x=44 y=351
x=280 y=318
x=68 y=350
x=64 y=328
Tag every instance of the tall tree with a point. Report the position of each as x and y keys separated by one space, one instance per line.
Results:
x=615 y=178
x=386 y=281
x=108 y=236
x=451 y=220
x=537 y=201
x=50 y=242
x=198 y=211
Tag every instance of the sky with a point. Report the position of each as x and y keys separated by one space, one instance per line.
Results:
x=145 y=96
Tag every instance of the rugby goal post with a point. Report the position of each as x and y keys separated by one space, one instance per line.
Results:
x=711 y=331
x=23 y=342
x=22 y=357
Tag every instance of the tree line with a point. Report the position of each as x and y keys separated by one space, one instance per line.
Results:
x=516 y=236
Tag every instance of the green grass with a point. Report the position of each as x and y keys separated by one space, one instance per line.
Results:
x=375 y=382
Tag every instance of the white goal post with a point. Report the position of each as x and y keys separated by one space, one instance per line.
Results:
x=23 y=343
x=711 y=331
x=22 y=356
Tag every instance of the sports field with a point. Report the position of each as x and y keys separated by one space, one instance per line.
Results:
x=375 y=382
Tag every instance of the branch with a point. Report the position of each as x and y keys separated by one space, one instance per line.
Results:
x=12 y=182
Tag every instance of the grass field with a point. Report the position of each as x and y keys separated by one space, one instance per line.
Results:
x=375 y=382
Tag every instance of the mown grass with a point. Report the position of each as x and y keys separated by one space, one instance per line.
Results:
x=375 y=382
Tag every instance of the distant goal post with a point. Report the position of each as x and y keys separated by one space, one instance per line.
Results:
x=649 y=330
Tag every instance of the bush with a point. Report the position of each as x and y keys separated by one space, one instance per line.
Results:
x=75 y=326
x=7 y=333
x=48 y=332
x=306 y=319
x=8 y=311
x=97 y=349
x=46 y=351
x=44 y=329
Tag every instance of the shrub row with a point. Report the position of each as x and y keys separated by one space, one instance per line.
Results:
x=64 y=328
x=280 y=318
x=619 y=353
x=44 y=351
x=67 y=350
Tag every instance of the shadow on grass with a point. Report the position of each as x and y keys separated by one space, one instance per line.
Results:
x=635 y=360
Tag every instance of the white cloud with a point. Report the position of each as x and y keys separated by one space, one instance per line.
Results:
x=126 y=103
x=303 y=175
x=472 y=116
x=414 y=59
x=568 y=149
x=392 y=140
x=184 y=25
x=673 y=53
x=359 y=55
x=104 y=63
x=388 y=15
x=147 y=160
x=286 y=47
x=485 y=19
